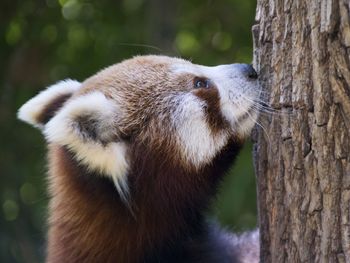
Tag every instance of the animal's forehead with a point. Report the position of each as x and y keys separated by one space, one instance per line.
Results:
x=169 y=65
x=158 y=61
x=147 y=73
x=153 y=69
x=215 y=73
x=189 y=68
x=139 y=76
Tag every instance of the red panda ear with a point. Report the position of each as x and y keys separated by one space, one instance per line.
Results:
x=87 y=125
x=40 y=109
x=89 y=118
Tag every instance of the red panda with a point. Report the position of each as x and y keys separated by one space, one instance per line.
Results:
x=136 y=153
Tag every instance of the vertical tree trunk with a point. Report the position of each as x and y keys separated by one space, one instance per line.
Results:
x=302 y=160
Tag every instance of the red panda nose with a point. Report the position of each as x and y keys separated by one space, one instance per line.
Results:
x=248 y=71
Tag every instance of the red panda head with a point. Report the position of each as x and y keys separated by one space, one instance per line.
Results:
x=185 y=113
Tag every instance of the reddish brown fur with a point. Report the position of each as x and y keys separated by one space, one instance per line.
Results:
x=139 y=85
x=213 y=113
x=89 y=223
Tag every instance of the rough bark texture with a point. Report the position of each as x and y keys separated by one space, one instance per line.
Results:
x=302 y=160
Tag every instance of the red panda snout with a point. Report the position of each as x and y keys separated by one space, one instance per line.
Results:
x=209 y=116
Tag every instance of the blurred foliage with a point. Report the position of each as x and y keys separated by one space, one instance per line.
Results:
x=45 y=41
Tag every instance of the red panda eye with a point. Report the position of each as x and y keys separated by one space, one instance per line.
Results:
x=201 y=83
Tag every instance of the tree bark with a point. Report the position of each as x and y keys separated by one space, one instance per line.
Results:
x=302 y=159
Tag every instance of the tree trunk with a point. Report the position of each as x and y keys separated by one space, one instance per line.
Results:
x=302 y=159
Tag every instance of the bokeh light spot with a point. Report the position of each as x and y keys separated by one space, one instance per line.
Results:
x=186 y=42
x=71 y=9
x=10 y=209
x=77 y=36
x=62 y=2
x=28 y=193
x=222 y=41
x=14 y=33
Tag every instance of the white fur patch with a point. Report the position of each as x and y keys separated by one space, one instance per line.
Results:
x=32 y=109
x=246 y=125
x=198 y=143
x=245 y=246
x=237 y=93
x=108 y=159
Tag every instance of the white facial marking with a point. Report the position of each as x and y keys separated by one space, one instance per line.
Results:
x=108 y=159
x=237 y=93
x=32 y=109
x=198 y=143
x=237 y=97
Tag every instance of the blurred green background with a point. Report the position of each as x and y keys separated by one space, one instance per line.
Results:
x=45 y=41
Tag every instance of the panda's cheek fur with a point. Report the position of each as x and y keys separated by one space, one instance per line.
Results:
x=212 y=109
